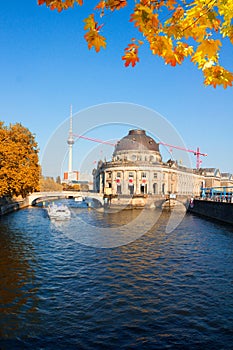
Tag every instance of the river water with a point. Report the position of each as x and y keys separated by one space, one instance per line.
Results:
x=156 y=290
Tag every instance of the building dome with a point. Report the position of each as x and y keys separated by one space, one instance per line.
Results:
x=136 y=140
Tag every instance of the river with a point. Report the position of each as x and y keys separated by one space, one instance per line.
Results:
x=67 y=286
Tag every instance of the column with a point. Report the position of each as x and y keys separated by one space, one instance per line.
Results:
x=137 y=182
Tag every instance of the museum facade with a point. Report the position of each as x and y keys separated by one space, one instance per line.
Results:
x=137 y=168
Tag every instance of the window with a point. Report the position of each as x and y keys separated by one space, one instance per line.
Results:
x=131 y=174
x=163 y=188
x=118 y=174
x=155 y=188
x=143 y=174
x=118 y=189
x=134 y=157
x=155 y=175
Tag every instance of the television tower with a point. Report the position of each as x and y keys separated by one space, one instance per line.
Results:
x=70 y=142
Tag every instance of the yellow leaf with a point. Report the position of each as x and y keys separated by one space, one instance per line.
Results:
x=94 y=39
x=89 y=22
x=217 y=75
x=209 y=47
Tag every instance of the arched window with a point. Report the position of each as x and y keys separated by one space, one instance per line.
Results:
x=155 y=188
x=163 y=188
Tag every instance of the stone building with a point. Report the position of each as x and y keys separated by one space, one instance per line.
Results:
x=211 y=177
x=137 y=168
x=227 y=180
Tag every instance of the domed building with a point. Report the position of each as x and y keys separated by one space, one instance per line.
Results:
x=137 y=168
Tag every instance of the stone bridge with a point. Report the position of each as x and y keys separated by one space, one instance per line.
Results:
x=148 y=201
x=38 y=197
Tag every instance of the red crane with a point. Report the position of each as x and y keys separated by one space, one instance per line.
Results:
x=197 y=153
x=94 y=140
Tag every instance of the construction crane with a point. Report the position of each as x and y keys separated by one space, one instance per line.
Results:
x=197 y=152
x=94 y=140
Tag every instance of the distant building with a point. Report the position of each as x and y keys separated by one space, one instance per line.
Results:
x=70 y=176
x=227 y=180
x=82 y=182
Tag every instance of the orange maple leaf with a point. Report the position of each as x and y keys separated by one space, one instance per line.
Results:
x=171 y=59
x=209 y=47
x=115 y=4
x=100 y=5
x=131 y=55
x=171 y=4
x=94 y=39
x=89 y=22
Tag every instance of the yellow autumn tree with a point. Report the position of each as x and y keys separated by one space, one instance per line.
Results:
x=47 y=184
x=174 y=29
x=19 y=164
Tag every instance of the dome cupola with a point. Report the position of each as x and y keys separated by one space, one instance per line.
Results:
x=137 y=146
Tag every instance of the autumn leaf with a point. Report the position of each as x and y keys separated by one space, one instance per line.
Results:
x=90 y=22
x=131 y=54
x=115 y=4
x=171 y=4
x=93 y=38
x=59 y=5
x=101 y=5
x=209 y=47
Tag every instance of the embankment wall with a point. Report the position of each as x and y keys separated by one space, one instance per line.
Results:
x=220 y=211
x=8 y=206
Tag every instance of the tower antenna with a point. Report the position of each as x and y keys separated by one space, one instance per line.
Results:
x=70 y=141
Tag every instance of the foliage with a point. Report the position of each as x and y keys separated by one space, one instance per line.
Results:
x=19 y=167
x=47 y=184
x=75 y=187
x=58 y=180
x=174 y=30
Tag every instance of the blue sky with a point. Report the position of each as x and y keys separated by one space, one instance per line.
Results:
x=45 y=66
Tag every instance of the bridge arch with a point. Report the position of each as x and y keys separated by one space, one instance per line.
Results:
x=38 y=197
x=165 y=202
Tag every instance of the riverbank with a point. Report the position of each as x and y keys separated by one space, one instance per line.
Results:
x=220 y=211
x=8 y=205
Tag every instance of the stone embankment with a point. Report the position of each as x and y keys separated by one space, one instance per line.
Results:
x=220 y=211
x=8 y=205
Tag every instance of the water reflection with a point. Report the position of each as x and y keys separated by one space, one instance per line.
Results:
x=18 y=292
x=102 y=229
x=113 y=227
